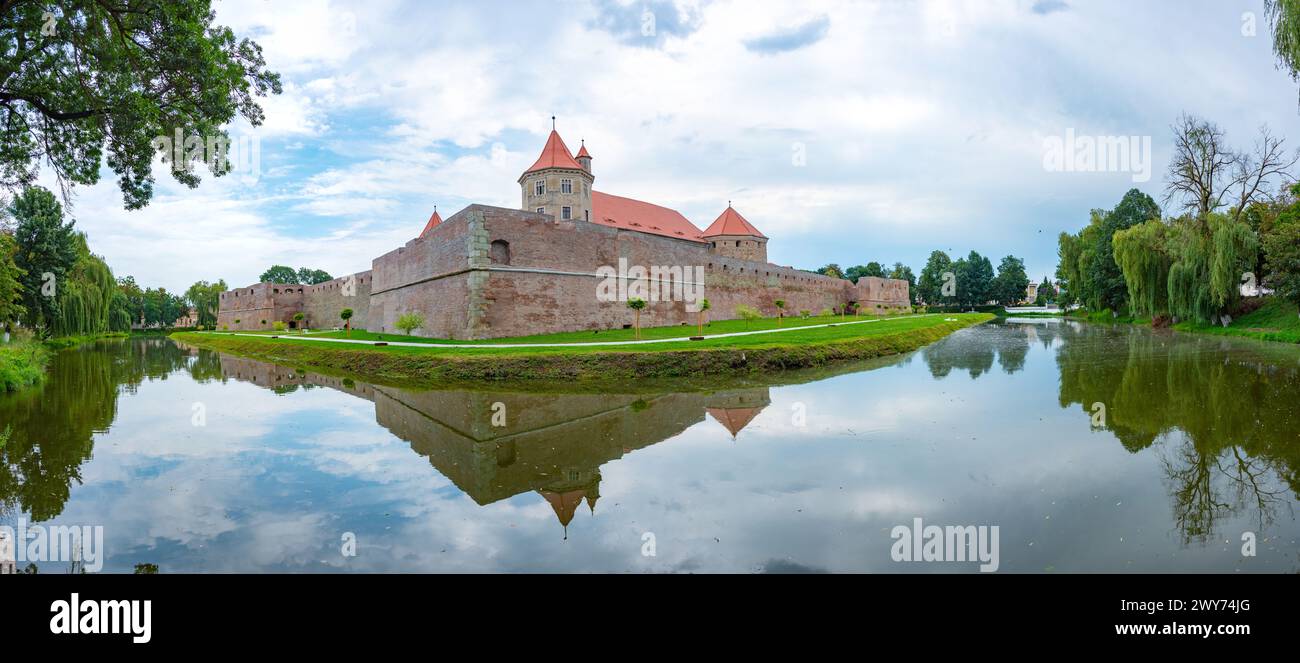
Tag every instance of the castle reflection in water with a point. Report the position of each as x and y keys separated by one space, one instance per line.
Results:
x=551 y=444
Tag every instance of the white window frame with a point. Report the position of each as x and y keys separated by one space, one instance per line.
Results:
x=566 y=185
x=539 y=187
x=541 y=210
x=566 y=213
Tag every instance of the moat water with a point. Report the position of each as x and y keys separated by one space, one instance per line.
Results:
x=1091 y=448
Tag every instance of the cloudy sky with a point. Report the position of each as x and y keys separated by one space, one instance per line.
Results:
x=847 y=132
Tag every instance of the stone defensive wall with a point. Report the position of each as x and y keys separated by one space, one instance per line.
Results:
x=489 y=272
x=258 y=307
x=322 y=302
x=528 y=273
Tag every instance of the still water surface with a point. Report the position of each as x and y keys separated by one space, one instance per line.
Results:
x=1090 y=447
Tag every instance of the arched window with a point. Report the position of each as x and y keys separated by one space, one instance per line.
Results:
x=500 y=252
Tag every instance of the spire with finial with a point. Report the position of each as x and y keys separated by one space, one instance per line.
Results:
x=584 y=157
x=433 y=222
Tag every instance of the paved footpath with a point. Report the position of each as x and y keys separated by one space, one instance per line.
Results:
x=463 y=346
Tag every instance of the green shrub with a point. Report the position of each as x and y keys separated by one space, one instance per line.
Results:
x=279 y=326
x=409 y=321
x=22 y=363
x=748 y=313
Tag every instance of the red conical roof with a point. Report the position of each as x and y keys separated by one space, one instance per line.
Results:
x=582 y=151
x=731 y=222
x=554 y=155
x=733 y=418
x=433 y=223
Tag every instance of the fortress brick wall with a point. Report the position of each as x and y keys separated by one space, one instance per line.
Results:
x=245 y=309
x=489 y=272
x=527 y=273
x=430 y=275
x=322 y=302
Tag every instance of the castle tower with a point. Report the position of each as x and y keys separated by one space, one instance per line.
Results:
x=731 y=235
x=556 y=184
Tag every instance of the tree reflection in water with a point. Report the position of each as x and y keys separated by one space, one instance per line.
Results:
x=52 y=426
x=1220 y=412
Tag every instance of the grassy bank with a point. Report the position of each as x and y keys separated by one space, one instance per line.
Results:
x=647 y=333
x=799 y=348
x=1275 y=321
x=73 y=341
x=22 y=363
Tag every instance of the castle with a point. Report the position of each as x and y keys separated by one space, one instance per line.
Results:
x=488 y=272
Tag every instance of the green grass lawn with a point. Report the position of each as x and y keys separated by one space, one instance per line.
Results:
x=647 y=333
x=1275 y=321
x=758 y=354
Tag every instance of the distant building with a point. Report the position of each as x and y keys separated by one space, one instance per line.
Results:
x=190 y=319
x=1031 y=293
x=8 y=565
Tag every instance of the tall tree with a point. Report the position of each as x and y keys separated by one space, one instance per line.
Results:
x=107 y=78
x=930 y=285
x=11 y=288
x=1282 y=246
x=1284 y=18
x=279 y=274
x=205 y=298
x=856 y=272
x=1011 y=284
x=1142 y=253
x=1087 y=271
x=308 y=276
x=85 y=295
x=974 y=275
x=832 y=270
x=46 y=252
x=134 y=296
x=1206 y=174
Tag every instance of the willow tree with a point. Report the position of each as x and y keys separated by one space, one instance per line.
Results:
x=1284 y=18
x=1209 y=258
x=85 y=295
x=1142 y=256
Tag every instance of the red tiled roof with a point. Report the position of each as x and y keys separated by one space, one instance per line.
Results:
x=433 y=223
x=582 y=151
x=629 y=214
x=733 y=418
x=554 y=155
x=731 y=222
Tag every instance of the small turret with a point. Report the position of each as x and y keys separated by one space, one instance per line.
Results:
x=731 y=235
x=584 y=157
